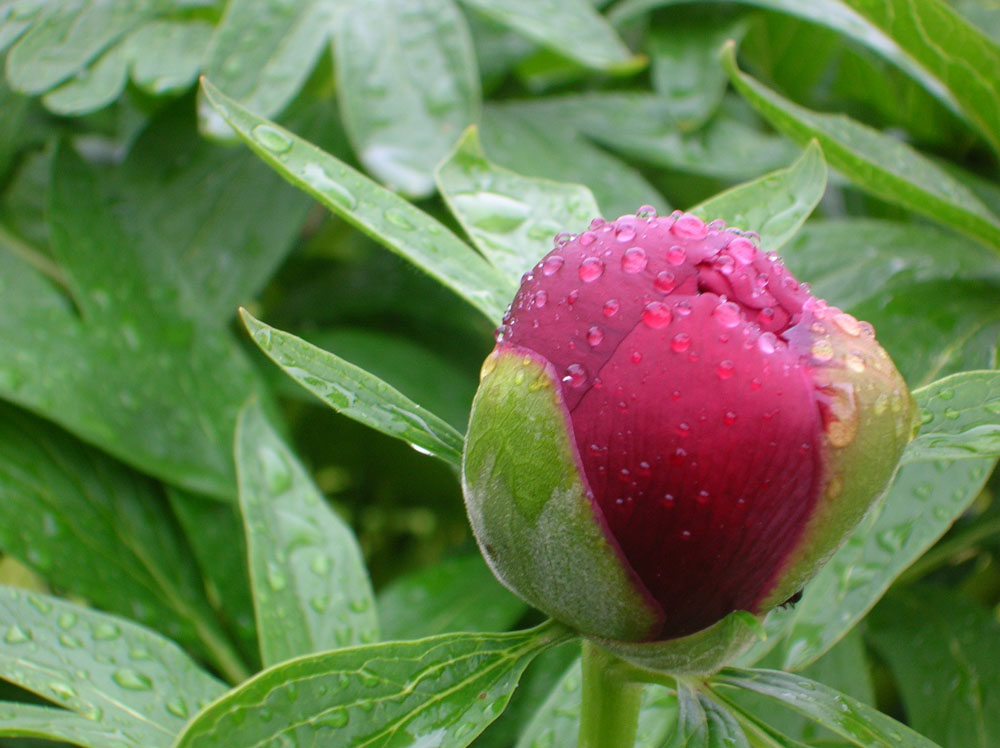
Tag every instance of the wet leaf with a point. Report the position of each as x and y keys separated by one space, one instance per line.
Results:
x=30 y=721
x=571 y=27
x=441 y=691
x=458 y=594
x=408 y=86
x=877 y=163
x=944 y=651
x=93 y=88
x=105 y=669
x=357 y=394
x=777 y=204
x=310 y=587
x=961 y=418
x=387 y=218
x=95 y=528
x=510 y=218
x=167 y=55
x=859 y=724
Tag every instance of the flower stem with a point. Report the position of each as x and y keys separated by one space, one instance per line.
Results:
x=609 y=713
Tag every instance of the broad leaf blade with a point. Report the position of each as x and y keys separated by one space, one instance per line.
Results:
x=385 y=217
x=103 y=668
x=571 y=27
x=441 y=691
x=407 y=86
x=30 y=721
x=167 y=55
x=951 y=48
x=877 y=163
x=723 y=729
x=777 y=204
x=93 y=88
x=357 y=394
x=858 y=723
x=511 y=218
x=310 y=587
x=93 y=527
x=961 y=416
x=460 y=594
x=945 y=653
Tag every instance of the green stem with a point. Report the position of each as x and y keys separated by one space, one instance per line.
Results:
x=609 y=713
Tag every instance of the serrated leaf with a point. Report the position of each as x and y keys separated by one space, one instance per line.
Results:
x=30 y=721
x=357 y=394
x=925 y=499
x=310 y=587
x=510 y=218
x=571 y=27
x=459 y=594
x=859 y=724
x=951 y=49
x=556 y=723
x=387 y=218
x=441 y=691
x=535 y=141
x=944 y=651
x=93 y=527
x=105 y=669
x=877 y=163
x=407 y=86
x=961 y=418
x=777 y=204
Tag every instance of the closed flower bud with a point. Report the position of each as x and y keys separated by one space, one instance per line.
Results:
x=672 y=428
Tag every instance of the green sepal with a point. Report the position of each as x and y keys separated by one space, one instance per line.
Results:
x=531 y=511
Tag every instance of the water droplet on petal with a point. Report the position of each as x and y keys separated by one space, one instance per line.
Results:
x=854 y=362
x=646 y=211
x=634 y=260
x=594 y=336
x=725 y=369
x=636 y=357
x=591 y=269
x=541 y=298
x=587 y=238
x=729 y=418
x=597 y=223
x=575 y=376
x=822 y=351
x=611 y=307
x=742 y=250
x=625 y=233
x=688 y=226
x=680 y=343
x=551 y=265
x=676 y=255
x=767 y=343
x=657 y=315
x=727 y=314
x=848 y=324
x=664 y=281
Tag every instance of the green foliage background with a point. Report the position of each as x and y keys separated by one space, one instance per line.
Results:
x=177 y=513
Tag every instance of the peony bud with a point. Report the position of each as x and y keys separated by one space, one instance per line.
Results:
x=671 y=429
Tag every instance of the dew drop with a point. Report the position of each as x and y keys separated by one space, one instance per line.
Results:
x=562 y=239
x=62 y=691
x=636 y=357
x=16 y=635
x=625 y=233
x=272 y=139
x=646 y=211
x=822 y=351
x=591 y=269
x=66 y=620
x=552 y=264
x=702 y=497
x=680 y=343
x=104 y=632
x=727 y=314
x=664 y=282
x=132 y=680
x=657 y=315
x=742 y=250
x=766 y=315
x=611 y=307
x=335 y=719
x=575 y=376
x=634 y=260
x=756 y=384
x=725 y=369
x=178 y=707
x=676 y=255
x=766 y=343
x=594 y=336
x=854 y=362
x=729 y=418
x=685 y=534
x=688 y=226
x=541 y=299
x=847 y=323
x=683 y=429
x=400 y=219
x=597 y=223
x=946 y=394
x=724 y=264
x=587 y=238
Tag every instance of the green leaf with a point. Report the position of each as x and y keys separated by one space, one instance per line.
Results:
x=93 y=527
x=692 y=722
x=510 y=218
x=685 y=67
x=459 y=594
x=29 y=721
x=438 y=692
x=104 y=669
x=407 y=86
x=535 y=141
x=879 y=164
x=570 y=27
x=167 y=55
x=951 y=49
x=944 y=651
x=357 y=394
x=961 y=418
x=310 y=586
x=859 y=724
x=101 y=374
x=723 y=729
x=925 y=499
x=556 y=723
x=832 y=14
x=379 y=213
x=93 y=88
x=263 y=50
x=777 y=204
